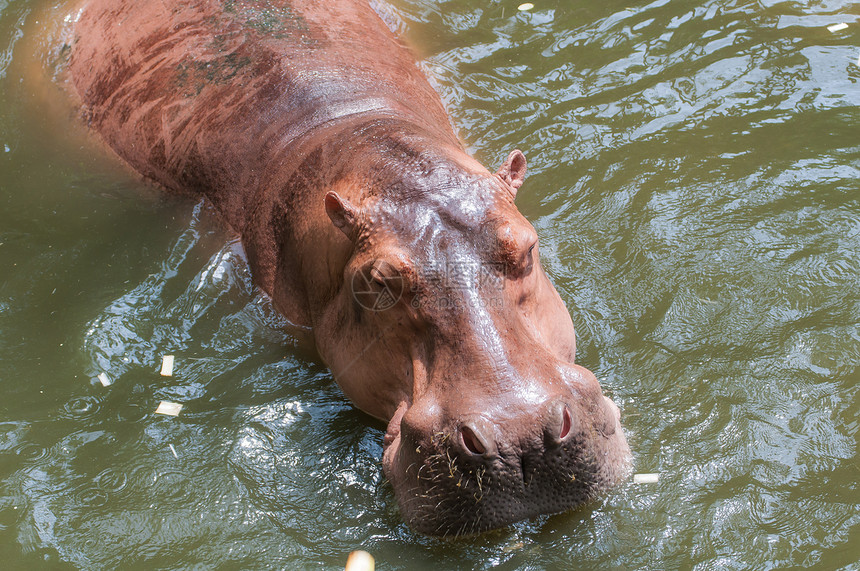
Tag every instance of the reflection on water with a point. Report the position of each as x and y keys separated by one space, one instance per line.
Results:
x=693 y=178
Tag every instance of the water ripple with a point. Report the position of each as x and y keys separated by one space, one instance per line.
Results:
x=82 y=407
x=111 y=480
x=693 y=179
x=211 y=318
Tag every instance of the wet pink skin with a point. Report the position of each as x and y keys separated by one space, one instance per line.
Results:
x=311 y=130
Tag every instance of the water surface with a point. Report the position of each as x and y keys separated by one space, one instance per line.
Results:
x=693 y=176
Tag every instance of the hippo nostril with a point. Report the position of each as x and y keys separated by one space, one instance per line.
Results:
x=561 y=423
x=471 y=441
x=566 y=423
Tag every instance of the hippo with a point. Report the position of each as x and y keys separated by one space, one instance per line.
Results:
x=316 y=137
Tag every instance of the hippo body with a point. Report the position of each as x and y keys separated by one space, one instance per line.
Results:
x=313 y=133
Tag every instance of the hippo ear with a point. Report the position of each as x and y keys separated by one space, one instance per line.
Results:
x=513 y=170
x=342 y=213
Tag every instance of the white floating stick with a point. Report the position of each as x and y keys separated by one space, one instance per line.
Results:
x=646 y=478
x=167 y=366
x=360 y=561
x=105 y=380
x=525 y=7
x=172 y=449
x=168 y=408
x=837 y=27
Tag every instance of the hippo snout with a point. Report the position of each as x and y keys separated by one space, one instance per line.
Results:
x=481 y=470
x=477 y=434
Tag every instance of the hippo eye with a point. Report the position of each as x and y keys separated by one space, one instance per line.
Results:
x=383 y=273
x=378 y=287
x=377 y=276
x=530 y=259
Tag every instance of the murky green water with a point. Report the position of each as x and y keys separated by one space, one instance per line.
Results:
x=694 y=177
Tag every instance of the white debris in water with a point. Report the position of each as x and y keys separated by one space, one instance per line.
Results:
x=525 y=7
x=837 y=27
x=6 y=147
x=172 y=449
x=105 y=380
x=646 y=478
x=168 y=408
x=360 y=561
x=167 y=366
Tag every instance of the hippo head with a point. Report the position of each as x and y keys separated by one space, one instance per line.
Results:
x=446 y=326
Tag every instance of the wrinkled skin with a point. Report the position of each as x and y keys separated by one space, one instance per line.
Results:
x=311 y=130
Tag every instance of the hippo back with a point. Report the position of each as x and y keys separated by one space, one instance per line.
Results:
x=187 y=92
